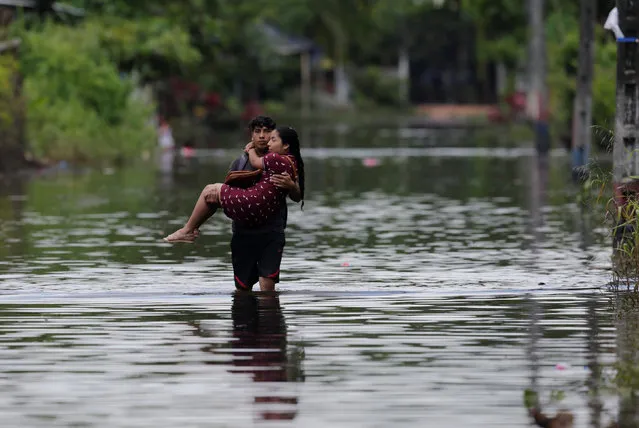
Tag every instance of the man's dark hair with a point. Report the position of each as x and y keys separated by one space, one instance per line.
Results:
x=261 y=122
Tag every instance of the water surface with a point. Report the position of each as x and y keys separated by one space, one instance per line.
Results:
x=430 y=280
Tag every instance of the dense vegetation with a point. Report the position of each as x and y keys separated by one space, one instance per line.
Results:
x=84 y=78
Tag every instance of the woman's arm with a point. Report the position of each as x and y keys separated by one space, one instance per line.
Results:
x=256 y=161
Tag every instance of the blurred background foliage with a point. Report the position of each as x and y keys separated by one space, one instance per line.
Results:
x=96 y=82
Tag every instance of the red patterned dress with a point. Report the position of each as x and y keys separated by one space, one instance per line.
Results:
x=255 y=205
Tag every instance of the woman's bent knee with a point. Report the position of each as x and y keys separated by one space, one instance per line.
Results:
x=211 y=193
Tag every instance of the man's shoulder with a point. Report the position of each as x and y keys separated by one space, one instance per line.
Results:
x=235 y=165
x=241 y=164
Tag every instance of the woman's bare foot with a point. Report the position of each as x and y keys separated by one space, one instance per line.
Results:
x=183 y=235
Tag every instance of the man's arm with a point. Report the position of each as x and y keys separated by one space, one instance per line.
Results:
x=285 y=181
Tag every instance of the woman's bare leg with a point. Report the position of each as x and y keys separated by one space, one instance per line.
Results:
x=207 y=203
x=203 y=210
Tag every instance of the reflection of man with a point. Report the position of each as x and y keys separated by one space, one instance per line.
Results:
x=257 y=252
x=260 y=349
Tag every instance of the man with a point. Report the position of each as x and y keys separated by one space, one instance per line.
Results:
x=257 y=252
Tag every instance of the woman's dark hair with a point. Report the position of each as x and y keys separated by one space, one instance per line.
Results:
x=261 y=122
x=289 y=136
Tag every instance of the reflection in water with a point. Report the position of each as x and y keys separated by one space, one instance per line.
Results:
x=165 y=162
x=259 y=348
x=533 y=350
x=627 y=359
x=12 y=206
x=426 y=321
x=534 y=395
x=595 y=404
x=539 y=194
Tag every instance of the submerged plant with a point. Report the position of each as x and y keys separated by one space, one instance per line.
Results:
x=625 y=233
x=620 y=216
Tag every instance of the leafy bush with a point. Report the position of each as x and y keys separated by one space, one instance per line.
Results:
x=11 y=112
x=8 y=67
x=563 y=54
x=373 y=87
x=152 y=45
x=78 y=105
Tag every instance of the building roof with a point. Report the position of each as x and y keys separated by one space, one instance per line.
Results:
x=57 y=7
x=285 y=44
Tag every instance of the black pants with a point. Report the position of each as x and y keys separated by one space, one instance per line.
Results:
x=256 y=255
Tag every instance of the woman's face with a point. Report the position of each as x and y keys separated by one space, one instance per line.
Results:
x=275 y=144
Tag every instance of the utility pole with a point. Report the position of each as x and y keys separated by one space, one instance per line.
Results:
x=582 y=110
x=625 y=159
x=537 y=102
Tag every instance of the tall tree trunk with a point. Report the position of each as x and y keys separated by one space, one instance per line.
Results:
x=582 y=110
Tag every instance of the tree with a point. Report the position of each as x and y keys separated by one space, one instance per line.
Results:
x=334 y=24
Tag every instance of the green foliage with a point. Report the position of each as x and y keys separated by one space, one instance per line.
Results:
x=79 y=107
x=563 y=31
x=8 y=68
x=501 y=36
x=66 y=64
x=373 y=87
x=68 y=130
x=626 y=255
x=152 y=45
x=531 y=399
x=218 y=45
x=11 y=112
x=563 y=44
x=500 y=27
x=336 y=25
x=604 y=88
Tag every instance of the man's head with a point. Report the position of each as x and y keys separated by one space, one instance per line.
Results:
x=261 y=128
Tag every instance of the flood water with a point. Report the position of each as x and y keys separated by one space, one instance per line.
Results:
x=431 y=280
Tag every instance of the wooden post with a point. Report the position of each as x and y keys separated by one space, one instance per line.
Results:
x=403 y=74
x=305 y=69
x=537 y=102
x=582 y=110
x=625 y=159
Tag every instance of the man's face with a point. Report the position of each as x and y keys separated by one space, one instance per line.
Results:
x=260 y=137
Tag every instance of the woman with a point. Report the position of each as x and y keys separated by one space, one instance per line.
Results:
x=254 y=205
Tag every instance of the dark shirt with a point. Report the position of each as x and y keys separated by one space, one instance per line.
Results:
x=277 y=223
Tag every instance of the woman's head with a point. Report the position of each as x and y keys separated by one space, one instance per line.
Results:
x=285 y=141
x=282 y=140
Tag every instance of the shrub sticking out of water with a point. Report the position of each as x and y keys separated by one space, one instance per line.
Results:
x=626 y=244
x=622 y=221
x=79 y=106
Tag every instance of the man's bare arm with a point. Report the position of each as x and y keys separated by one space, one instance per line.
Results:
x=285 y=181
